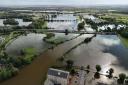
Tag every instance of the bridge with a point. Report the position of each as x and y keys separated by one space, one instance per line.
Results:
x=54 y=20
x=67 y=31
x=59 y=31
x=80 y=32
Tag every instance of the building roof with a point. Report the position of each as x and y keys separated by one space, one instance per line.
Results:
x=58 y=73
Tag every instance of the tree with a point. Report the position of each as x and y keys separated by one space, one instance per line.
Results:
x=126 y=81
x=69 y=63
x=37 y=24
x=72 y=72
x=66 y=31
x=27 y=19
x=111 y=71
x=121 y=79
x=49 y=35
x=109 y=29
x=10 y=22
x=88 y=68
x=97 y=74
x=81 y=25
x=7 y=72
x=98 y=68
x=87 y=40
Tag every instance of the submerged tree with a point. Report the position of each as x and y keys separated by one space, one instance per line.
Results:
x=81 y=25
x=98 y=69
x=121 y=79
x=73 y=72
x=88 y=69
x=69 y=63
x=10 y=22
x=110 y=71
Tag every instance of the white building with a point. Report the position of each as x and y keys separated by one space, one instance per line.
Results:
x=57 y=77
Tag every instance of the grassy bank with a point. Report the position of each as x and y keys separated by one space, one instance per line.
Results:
x=7 y=39
x=124 y=41
x=29 y=54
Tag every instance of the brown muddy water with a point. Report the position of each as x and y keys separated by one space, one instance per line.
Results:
x=104 y=50
x=34 y=73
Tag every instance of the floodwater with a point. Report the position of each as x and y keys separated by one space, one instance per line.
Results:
x=106 y=50
x=35 y=72
x=31 y=40
x=70 y=24
x=21 y=23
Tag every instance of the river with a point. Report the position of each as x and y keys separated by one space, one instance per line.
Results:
x=106 y=50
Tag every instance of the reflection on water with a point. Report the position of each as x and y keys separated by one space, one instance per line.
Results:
x=70 y=23
x=96 y=52
x=1 y=22
x=33 y=73
x=103 y=50
x=21 y=23
x=67 y=17
x=31 y=40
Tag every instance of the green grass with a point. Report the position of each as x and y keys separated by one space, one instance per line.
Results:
x=30 y=51
x=124 y=41
x=118 y=17
x=8 y=38
x=30 y=54
x=44 y=25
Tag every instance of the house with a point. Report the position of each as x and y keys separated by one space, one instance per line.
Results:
x=57 y=77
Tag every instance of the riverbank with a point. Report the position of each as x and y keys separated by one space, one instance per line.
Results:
x=35 y=72
x=8 y=39
x=124 y=41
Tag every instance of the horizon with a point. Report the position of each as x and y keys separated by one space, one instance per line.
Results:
x=63 y=2
x=79 y=6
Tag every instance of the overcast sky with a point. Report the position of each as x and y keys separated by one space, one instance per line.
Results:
x=63 y=2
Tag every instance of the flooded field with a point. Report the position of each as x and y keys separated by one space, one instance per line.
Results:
x=35 y=72
x=105 y=50
x=70 y=22
x=21 y=23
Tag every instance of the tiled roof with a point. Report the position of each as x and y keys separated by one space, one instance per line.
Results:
x=58 y=73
